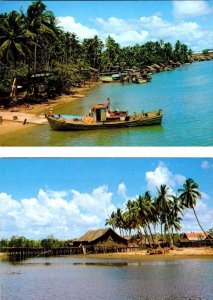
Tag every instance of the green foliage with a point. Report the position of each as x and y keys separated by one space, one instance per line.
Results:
x=205 y=51
x=211 y=231
x=34 y=41
x=21 y=241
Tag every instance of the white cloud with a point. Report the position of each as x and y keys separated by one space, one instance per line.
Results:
x=188 y=9
x=82 y=31
x=132 y=31
x=162 y=175
x=206 y=164
x=64 y=214
x=204 y=214
x=122 y=191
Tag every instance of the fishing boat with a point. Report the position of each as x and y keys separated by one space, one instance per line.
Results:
x=101 y=117
x=106 y=79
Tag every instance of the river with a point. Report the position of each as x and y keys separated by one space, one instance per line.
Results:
x=88 y=278
x=185 y=95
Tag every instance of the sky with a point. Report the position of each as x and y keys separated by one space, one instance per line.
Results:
x=131 y=22
x=68 y=196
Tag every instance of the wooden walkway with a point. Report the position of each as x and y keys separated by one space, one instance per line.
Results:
x=18 y=253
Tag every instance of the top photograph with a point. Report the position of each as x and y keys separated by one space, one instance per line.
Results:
x=106 y=73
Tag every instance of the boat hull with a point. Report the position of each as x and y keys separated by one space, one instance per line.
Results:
x=135 y=121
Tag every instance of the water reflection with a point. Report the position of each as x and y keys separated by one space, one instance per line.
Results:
x=83 y=278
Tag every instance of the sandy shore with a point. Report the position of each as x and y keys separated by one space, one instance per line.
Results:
x=34 y=114
x=200 y=253
x=178 y=253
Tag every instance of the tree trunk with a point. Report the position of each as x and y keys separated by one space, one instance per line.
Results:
x=199 y=222
x=170 y=237
x=147 y=236
x=153 y=241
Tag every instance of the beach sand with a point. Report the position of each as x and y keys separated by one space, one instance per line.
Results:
x=35 y=113
x=179 y=253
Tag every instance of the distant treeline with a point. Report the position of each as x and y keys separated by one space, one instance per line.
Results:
x=21 y=241
x=33 y=42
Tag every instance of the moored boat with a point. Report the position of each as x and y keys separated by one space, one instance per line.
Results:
x=106 y=79
x=101 y=117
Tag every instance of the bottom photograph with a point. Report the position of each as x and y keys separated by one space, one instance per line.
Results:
x=106 y=228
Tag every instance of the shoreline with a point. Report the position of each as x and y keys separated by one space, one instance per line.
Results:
x=36 y=112
x=179 y=253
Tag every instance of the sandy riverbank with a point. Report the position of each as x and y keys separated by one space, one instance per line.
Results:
x=37 y=111
x=200 y=253
x=178 y=253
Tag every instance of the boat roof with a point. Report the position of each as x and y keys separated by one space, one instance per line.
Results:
x=100 y=106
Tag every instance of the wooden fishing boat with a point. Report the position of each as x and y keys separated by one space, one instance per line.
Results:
x=106 y=79
x=101 y=117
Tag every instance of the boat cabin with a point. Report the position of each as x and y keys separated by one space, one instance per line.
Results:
x=101 y=113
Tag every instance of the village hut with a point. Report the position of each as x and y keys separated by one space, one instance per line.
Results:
x=156 y=67
x=195 y=239
x=105 y=238
x=150 y=69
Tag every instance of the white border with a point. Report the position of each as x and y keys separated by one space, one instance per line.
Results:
x=107 y=152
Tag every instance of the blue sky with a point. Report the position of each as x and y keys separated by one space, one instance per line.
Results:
x=129 y=22
x=68 y=196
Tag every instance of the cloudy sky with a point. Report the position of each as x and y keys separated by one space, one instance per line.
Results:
x=68 y=196
x=130 y=22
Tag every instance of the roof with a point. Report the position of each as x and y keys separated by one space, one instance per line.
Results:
x=100 y=106
x=93 y=235
x=195 y=236
x=156 y=66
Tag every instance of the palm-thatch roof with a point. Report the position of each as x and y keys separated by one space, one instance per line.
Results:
x=100 y=236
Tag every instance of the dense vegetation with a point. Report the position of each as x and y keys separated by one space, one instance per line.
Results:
x=32 y=42
x=145 y=212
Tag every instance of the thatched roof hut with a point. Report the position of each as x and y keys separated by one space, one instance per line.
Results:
x=101 y=237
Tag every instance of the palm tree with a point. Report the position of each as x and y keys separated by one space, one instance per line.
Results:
x=14 y=43
x=40 y=26
x=189 y=195
x=175 y=214
x=111 y=54
x=163 y=206
x=151 y=218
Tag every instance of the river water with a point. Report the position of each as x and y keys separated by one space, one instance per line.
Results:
x=185 y=95
x=87 y=278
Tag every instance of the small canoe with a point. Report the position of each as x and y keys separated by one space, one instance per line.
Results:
x=101 y=118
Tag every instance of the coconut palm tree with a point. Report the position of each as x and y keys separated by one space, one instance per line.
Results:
x=15 y=45
x=189 y=195
x=163 y=205
x=13 y=42
x=150 y=208
x=40 y=26
x=111 y=221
